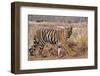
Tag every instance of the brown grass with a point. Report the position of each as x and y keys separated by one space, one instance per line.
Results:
x=75 y=47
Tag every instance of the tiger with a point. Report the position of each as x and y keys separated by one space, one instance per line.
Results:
x=52 y=36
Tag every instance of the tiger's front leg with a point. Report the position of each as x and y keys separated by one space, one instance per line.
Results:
x=59 y=49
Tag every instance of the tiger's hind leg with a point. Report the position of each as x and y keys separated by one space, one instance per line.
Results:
x=32 y=50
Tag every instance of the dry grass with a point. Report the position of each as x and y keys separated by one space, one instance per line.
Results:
x=75 y=47
x=79 y=41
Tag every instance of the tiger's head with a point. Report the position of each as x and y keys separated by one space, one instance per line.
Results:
x=68 y=32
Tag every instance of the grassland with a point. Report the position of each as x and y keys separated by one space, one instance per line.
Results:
x=76 y=45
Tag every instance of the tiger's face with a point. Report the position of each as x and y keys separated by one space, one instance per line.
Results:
x=68 y=32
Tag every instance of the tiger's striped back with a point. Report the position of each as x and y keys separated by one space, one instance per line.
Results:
x=45 y=35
